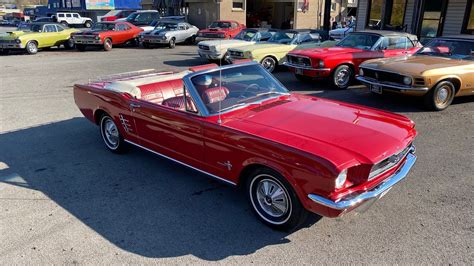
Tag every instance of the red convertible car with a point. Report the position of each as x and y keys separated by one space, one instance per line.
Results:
x=221 y=29
x=292 y=153
x=107 y=34
x=341 y=62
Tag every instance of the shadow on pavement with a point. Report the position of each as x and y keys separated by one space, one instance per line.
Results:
x=139 y=202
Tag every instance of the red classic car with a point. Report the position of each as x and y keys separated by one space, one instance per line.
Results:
x=221 y=29
x=342 y=61
x=107 y=34
x=292 y=153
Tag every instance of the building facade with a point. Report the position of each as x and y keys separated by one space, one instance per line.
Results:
x=425 y=18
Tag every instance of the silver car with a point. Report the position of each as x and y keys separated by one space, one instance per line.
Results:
x=169 y=33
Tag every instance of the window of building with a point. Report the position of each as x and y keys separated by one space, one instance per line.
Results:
x=468 y=26
x=375 y=14
x=238 y=4
x=333 y=7
x=396 y=12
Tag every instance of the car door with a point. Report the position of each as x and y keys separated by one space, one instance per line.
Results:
x=61 y=35
x=48 y=36
x=171 y=132
x=119 y=35
x=76 y=19
x=180 y=32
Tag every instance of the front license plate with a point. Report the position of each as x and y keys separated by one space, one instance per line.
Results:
x=376 y=89
x=299 y=71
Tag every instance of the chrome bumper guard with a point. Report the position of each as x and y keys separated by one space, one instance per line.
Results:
x=389 y=85
x=305 y=67
x=375 y=193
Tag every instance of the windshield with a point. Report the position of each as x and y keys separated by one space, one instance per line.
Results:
x=283 y=37
x=166 y=26
x=30 y=27
x=236 y=87
x=456 y=49
x=220 y=24
x=103 y=26
x=359 y=41
x=246 y=35
x=132 y=17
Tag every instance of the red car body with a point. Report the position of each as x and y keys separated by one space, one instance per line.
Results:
x=322 y=62
x=220 y=32
x=116 y=14
x=116 y=32
x=307 y=140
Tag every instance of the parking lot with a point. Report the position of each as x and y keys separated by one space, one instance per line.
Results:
x=65 y=199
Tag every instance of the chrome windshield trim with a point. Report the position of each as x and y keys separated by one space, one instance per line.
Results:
x=174 y=160
x=376 y=192
x=198 y=101
x=390 y=85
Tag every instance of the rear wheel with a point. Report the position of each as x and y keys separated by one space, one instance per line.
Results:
x=341 y=77
x=111 y=136
x=269 y=63
x=31 y=47
x=64 y=23
x=172 y=43
x=88 y=24
x=274 y=201
x=69 y=44
x=107 y=45
x=440 y=97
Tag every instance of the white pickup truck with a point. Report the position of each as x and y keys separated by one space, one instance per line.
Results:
x=74 y=19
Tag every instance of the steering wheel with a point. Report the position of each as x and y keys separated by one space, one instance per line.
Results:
x=248 y=89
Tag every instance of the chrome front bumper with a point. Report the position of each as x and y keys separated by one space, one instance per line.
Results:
x=86 y=41
x=305 y=67
x=373 y=194
x=210 y=54
x=393 y=86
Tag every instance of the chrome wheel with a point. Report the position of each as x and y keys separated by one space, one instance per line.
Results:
x=269 y=63
x=31 y=48
x=342 y=76
x=108 y=45
x=442 y=96
x=272 y=198
x=110 y=133
x=172 y=43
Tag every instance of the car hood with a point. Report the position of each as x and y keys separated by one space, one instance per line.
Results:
x=89 y=32
x=13 y=34
x=214 y=30
x=337 y=131
x=321 y=53
x=415 y=65
x=266 y=47
x=222 y=44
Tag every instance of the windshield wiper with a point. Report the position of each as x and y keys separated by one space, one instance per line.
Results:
x=262 y=94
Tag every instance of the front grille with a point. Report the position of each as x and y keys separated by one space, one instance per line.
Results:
x=236 y=53
x=7 y=41
x=383 y=76
x=203 y=47
x=297 y=60
x=388 y=163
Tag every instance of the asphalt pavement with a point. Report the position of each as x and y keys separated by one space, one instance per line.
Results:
x=65 y=199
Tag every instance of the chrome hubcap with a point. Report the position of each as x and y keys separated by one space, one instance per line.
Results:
x=32 y=47
x=111 y=133
x=108 y=45
x=343 y=76
x=443 y=95
x=272 y=198
x=268 y=64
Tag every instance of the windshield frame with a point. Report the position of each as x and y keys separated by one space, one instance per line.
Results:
x=202 y=109
x=372 y=48
x=242 y=32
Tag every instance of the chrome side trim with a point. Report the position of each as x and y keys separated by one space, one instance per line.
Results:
x=176 y=161
x=305 y=67
x=375 y=193
x=390 y=85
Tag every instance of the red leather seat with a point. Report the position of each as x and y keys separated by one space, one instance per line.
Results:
x=216 y=94
x=157 y=92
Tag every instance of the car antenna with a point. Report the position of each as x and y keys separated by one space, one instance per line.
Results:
x=219 y=121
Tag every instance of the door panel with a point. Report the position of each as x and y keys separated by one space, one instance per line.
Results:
x=173 y=133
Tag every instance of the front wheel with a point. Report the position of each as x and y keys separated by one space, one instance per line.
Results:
x=440 y=97
x=341 y=77
x=31 y=47
x=269 y=63
x=111 y=136
x=172 y=43
x=107 y=45
x=274 y=201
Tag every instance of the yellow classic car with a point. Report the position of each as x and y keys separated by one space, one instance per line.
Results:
x=33 y=36
x=272 y=53
x=438 y=72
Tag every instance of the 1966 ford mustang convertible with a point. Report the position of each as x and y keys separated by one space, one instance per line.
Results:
x=291 y=153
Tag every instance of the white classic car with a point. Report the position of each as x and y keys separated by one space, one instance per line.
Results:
x=217 y=49
x=169 y=33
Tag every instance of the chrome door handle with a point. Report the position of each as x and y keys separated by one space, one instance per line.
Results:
x=134 y=105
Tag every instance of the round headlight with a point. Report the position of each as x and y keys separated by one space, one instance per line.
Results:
x=97 y=37
x=18 y=41
x=407 y=80
x=341 y=179
x=361 y=72
x=321 y=63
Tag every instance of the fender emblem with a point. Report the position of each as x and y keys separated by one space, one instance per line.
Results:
x=226 y=164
